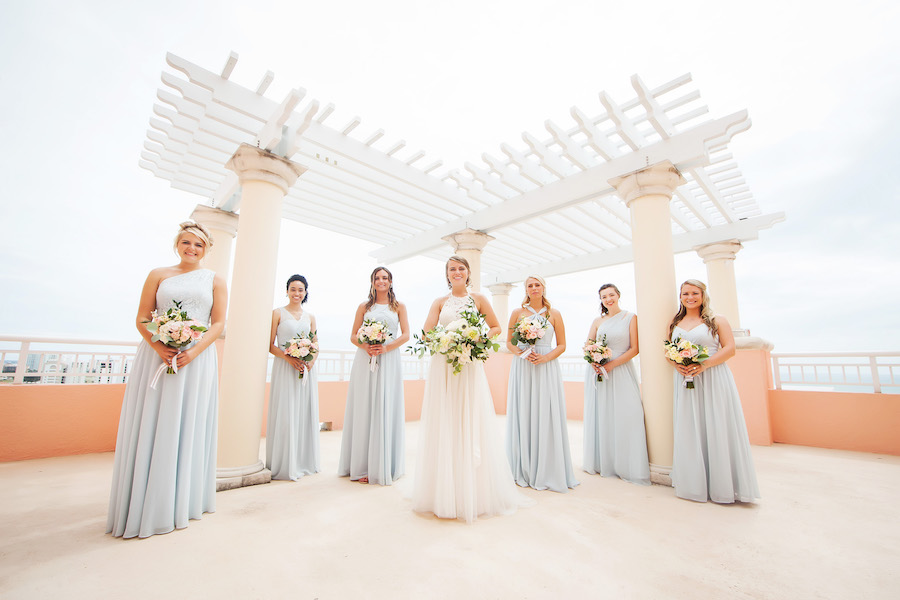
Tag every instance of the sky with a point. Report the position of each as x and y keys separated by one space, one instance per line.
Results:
x=81 y=224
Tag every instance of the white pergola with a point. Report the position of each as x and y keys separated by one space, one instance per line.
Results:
x=638 y=182
x=551 y=190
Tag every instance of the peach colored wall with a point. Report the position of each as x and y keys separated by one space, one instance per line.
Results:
x=37 y=421
x=844 y=421
x=753 y=376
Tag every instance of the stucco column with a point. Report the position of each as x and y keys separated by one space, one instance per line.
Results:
x=222 y=225
x=500 y=302
x=719 y=260
x=647 y=194
x=468 y=244
x=265 y=179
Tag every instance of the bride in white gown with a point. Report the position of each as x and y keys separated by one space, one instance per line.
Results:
x=461 y=470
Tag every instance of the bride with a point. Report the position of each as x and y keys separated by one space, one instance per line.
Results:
x=461 y=471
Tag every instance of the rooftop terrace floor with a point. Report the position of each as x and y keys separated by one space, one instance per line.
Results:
x=827 y=527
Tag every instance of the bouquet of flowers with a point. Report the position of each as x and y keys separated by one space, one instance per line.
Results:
x=463 y=341
x=175 y=329
x=686 y=352
x=529 y=330
x=373 y=332
x=596 y=352
x=303 y=346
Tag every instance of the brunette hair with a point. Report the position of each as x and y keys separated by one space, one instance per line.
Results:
x=603 y=309
x=302 y=280
x=393 y=304
x=461 y=261
x=706 y=313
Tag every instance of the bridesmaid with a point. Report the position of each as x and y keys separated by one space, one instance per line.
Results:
x=372 y=445
x=165 y=467
x=615 y=442
x=292 y=430
x=712 y=459
x=537 y=439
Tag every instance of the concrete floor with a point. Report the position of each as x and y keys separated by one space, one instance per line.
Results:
x=827 y=527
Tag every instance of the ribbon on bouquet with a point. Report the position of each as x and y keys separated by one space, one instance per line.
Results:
x=373 y=363
x=602 y=373
x=525 y=354
x=163 y=367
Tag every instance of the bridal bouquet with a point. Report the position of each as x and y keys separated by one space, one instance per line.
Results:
x=302 y=346
x=529 y=330
x=175 y=329
x=462 y=341
x=596 y=352
x=686 y=352
x=373 y=332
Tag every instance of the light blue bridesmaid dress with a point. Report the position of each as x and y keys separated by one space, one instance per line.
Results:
x=292 y=430
x=712 y=459
x=372 y=444
x=615 y=441
x=537 y=438
x=165 y=467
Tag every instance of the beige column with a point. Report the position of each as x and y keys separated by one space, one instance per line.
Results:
x=468 y=244
x=500 y=302
x=647 y=194
x=719 y=260
x=222 y=225
x=265 y=179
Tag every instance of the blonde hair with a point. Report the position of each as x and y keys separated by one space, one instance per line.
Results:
x=544 y=300
x=393 y=303
x=196 y=229
x=461 y=261
x=706 y=313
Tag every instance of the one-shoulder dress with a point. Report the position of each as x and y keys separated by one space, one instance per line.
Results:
x=165 y=466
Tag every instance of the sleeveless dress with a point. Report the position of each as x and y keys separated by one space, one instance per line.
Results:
x=292 y=429
x=615 y=440
x=461 y=472
x=712 y=458
x=537 y=438
x=372 y=444
x=165 y=466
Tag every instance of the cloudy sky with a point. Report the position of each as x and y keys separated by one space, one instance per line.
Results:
x=81 y=224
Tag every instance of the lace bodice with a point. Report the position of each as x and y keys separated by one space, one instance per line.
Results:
x=193 y=289
x=453 y=307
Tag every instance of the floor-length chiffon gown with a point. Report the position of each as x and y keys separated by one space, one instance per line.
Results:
x=461 y=470
x=372 y=442
x=537 y=437
x=712 y=459
x=292 y=429
x=615 y=439
x=165 y=465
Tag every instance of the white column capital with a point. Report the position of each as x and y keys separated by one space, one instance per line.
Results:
x=660 y=179
x=718 y=251
x=468 y=239
x=501 y=289
x=256 y=164
x=216 y=218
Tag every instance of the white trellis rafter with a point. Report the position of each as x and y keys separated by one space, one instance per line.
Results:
x=557 y=183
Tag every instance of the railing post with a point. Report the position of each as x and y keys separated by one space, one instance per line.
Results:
x=876 y=379
x=777 y=372
x=19 y=377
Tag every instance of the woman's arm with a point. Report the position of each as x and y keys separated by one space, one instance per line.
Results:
x=513 y=319
x=274 y=349
x=314 y=336
x=404 y=330
x=434 y=313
